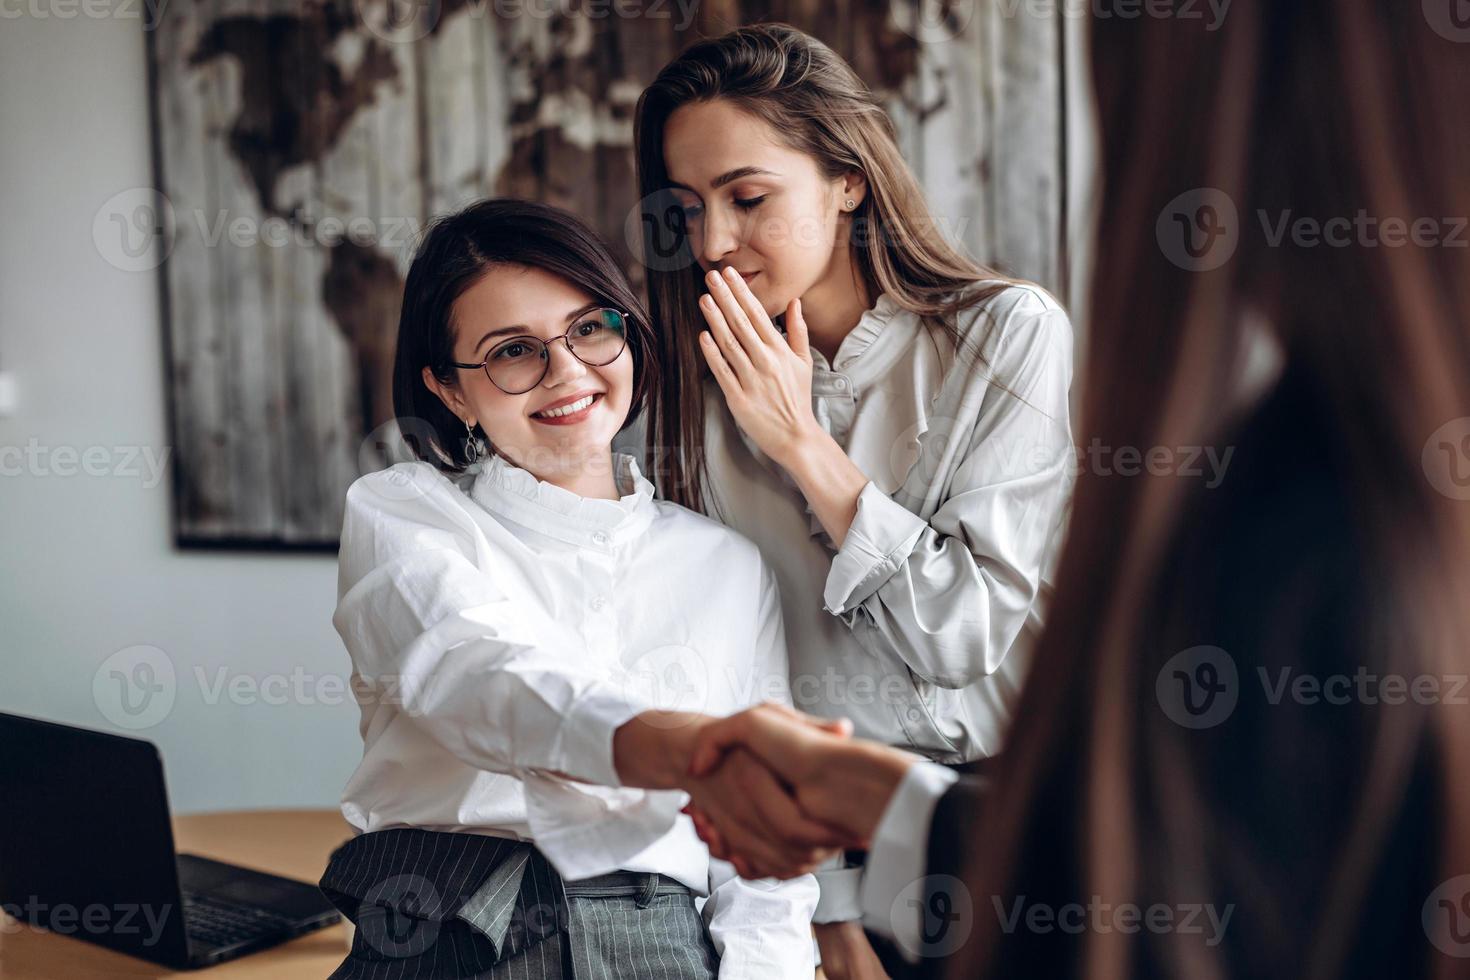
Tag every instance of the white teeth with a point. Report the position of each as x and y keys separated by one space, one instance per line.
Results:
x=575 y=406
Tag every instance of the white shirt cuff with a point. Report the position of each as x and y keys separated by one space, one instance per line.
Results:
x=898 y=857
x=587 y=830
x=584 y=743
x=840 y=899
x=594 y=827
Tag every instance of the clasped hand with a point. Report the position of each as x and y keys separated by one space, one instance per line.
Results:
x=776 y=792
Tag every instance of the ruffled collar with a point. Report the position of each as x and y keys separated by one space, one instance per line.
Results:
x=507 y=490
x=861 y=346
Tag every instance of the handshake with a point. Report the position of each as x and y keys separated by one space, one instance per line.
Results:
x=773 y=791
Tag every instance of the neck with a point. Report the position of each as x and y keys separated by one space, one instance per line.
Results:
x=591 y=475
x=835 y=304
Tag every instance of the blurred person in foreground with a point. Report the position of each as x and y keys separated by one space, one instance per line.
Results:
x=1248 y=709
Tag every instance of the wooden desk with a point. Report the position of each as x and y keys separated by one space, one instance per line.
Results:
x=292 y=843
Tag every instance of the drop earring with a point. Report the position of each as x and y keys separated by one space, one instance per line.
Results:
x=473 y=448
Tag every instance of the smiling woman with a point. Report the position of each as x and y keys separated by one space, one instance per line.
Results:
x=518 y=311
x=552 y=389
x=515 y=602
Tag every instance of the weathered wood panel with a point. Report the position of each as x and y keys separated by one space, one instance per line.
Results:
x=305 y=146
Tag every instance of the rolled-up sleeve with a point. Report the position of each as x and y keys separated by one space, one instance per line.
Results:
x=432 y=635
x=762 y=927
x=948 y=596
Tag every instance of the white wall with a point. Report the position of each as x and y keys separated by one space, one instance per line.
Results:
x=87 y=568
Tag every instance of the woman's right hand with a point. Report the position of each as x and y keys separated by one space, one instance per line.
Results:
x=842 y=782
x=741 y=809
x=762 y=831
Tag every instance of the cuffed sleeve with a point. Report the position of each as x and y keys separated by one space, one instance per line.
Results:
x=840 y=893
x=948 y=596
x=434 y=635
x=899 y=853
x=882 y=536
x=761 y=928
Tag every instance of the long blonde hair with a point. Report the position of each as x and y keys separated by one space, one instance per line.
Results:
x=820 y=107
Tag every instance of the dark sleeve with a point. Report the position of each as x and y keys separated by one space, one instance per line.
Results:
x=953 y=825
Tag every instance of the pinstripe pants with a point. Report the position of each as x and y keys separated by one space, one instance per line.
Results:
x=432 y=905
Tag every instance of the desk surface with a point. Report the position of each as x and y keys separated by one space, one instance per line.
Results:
x=292 y=843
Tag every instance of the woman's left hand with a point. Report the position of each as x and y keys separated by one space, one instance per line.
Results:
x=766 y=380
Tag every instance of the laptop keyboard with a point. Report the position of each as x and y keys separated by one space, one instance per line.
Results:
x=218 y=923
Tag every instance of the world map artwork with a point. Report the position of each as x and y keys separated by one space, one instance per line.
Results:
x=302 y=148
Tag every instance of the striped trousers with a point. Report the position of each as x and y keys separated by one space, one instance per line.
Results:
x=432 y=905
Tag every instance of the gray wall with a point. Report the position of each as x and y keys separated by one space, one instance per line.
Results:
x=87 y=571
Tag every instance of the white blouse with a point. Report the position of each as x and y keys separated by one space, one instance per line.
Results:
x=502 y=628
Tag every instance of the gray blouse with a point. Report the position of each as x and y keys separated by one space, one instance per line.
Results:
x=919 y=628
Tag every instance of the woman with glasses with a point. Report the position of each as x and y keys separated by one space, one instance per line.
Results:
x=533 y=635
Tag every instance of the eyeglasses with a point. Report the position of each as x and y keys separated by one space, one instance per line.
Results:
x=518 y=364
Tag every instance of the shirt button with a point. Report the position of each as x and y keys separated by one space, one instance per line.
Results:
x=599 y=603
x=600 y=538
x=840 y=384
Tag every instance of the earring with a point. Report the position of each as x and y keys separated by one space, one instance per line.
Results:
x=851 y=204
x=472 y=446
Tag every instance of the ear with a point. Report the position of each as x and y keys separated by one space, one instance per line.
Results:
x=854 y=188
x=448 y=394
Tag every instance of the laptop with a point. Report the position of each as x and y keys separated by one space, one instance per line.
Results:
x=87 y=850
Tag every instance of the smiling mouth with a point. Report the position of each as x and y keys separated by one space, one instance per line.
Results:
x=568 y=413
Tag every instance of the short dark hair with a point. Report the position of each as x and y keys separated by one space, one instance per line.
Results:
x=456 y=251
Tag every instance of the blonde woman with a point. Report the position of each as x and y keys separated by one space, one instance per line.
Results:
x=885 y=418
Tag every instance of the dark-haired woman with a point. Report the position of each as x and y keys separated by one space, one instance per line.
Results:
x=530 y=632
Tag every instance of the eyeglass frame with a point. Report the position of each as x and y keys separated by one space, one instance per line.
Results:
x=484 y=364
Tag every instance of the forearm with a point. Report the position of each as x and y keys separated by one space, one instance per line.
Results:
x=947 y=597
x=829 y=479
x=653 y=749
